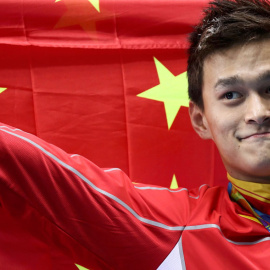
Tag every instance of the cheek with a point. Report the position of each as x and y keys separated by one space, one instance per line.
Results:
x=228 y=146
x=223 y=124
x=218 y=129
x=223 y=136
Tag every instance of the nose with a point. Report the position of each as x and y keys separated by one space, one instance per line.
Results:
x=258 y=110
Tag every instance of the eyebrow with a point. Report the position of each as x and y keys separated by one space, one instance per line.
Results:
x=230 y=81
x=264 y=76
x=236 y=80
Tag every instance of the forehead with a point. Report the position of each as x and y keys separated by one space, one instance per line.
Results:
x=246 y=62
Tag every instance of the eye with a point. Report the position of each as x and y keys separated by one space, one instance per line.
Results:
x=235 y=95
x=267 y=91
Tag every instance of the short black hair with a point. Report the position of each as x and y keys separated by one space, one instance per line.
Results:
x=225 y=23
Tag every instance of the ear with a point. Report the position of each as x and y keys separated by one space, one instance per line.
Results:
x=199 y=121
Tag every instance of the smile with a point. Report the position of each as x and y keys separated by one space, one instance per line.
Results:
x=263 y=135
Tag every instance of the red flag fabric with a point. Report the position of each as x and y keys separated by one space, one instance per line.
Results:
x=73 y=71
x=106 y=80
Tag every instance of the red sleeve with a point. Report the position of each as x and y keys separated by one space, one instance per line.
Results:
x=98 y=216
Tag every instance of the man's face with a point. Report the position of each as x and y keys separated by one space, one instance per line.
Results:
x=236 y=96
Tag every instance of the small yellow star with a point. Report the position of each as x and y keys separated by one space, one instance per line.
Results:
x=81 y=267
x=172 y=90
x=95 y=3
x=81 y=12
x=2 y=89
x=174 y=184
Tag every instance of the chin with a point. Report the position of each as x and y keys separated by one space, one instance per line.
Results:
x=252 y=170
x=257 y=172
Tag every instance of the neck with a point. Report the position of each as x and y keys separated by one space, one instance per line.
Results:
x=256 y=178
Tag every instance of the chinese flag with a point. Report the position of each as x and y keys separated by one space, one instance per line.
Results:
x=106 y=80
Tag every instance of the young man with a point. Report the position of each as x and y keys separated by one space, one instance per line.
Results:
x=103 y=221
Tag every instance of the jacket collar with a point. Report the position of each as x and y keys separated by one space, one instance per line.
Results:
x=257 y=194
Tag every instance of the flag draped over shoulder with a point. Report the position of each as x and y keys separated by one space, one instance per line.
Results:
x=106 y=80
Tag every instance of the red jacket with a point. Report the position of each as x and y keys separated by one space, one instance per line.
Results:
x=70 y=211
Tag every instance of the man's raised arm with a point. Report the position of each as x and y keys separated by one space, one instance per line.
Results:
x=97 y=216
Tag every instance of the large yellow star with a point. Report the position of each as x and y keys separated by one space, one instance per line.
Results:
x=172 y=90
x=2 y=89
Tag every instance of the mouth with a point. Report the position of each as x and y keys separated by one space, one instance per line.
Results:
x=258 y=135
